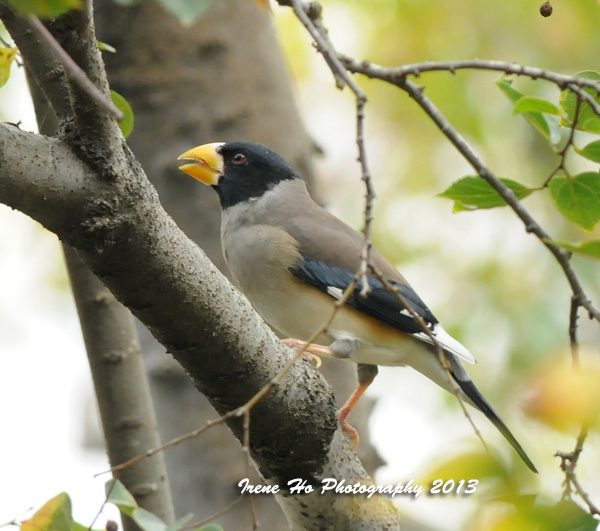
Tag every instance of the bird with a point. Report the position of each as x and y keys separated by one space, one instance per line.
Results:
x=293 y=259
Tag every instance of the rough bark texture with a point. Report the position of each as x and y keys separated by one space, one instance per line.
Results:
x=221 y=79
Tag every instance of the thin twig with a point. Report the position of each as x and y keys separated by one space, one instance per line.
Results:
x=216 y=515
x=573 y=316
x=439 y=349
x=73 y=70
x=584 y=96
x=280 y=375
x=531 y=225
x=112 y=486
x=174 y=442
x=395 y=73
x=246 y=446
x=309 y=14
x=245 y=408
x=563 y=152
x=568 y=463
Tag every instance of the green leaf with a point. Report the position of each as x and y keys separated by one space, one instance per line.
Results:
x=80 y=527
x=474 y=464
x=211 y=527
x=126 y=3
x=54 y=515
x=45 y=8
x=590 y=249
x=591 y=151
x=148 y=521
x=533 y=104
x=588 y=120
x=7 y=56
x=578 y=198
x=117 y=493
x=566 y=514
x=126 y=124
x=182 y=522
x=472 y=192
x=545 y=125
x=519 y=512
x=187 y=11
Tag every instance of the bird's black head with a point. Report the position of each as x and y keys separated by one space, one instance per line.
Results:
x=237 y=171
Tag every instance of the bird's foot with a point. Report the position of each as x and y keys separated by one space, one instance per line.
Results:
x=313 y=358
x=366 y=374
x=350 y=431
x=312 y=351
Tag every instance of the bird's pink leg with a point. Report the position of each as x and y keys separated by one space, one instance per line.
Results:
x=312 y=350
x=366 y=375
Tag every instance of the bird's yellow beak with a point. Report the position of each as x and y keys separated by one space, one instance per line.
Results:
x=203 y=163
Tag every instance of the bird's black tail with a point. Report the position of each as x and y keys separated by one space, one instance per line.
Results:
x=468 y=387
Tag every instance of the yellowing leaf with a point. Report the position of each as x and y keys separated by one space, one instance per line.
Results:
x=525 y=513
x=45 y=8
x=105 y=47
x=566 y=397
x=468 y=465
x=7 y=56
x=578 y=198
x=55 y=515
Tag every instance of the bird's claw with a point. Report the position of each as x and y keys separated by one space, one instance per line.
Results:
x=350 y=431
x=313 y=358
x=312 y=351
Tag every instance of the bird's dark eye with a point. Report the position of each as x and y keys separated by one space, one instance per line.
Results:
x=239 y=158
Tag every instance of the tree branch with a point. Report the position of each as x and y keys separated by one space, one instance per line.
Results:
x=531 y=225
x=309 y=14
x=210 y=329
x=73 y=70
x=393 y=74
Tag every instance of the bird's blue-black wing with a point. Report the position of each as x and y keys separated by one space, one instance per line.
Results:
x=380 y=302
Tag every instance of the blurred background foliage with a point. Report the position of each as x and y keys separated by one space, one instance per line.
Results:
x=491 y=284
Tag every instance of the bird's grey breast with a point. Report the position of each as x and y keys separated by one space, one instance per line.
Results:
x=258 y=254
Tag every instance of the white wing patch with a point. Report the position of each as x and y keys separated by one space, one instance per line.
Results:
x=448 y=343
x=334 y=292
